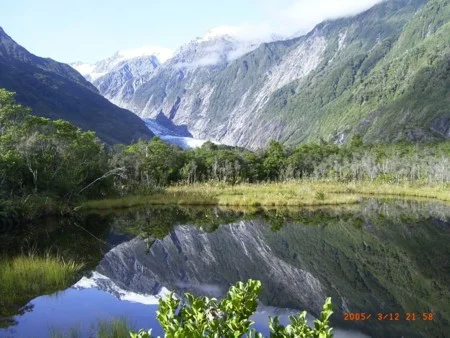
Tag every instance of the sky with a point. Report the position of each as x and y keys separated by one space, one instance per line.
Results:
x=91 y=30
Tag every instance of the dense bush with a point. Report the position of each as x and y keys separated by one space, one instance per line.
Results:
x=41 y=156
x=387 y=163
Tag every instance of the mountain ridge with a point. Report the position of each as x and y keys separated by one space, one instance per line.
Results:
x=364 y=74
x=55 y=90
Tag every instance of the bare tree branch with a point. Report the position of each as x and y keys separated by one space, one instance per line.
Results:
x=109 y=173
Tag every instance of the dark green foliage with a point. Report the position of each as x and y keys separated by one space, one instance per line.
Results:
x=56 y=91
x=396 y=85
x=150 y=165
x=274 y=160
x=48 y=158
x=146 y=166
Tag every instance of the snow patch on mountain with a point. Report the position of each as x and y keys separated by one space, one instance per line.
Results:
x=101 y=282
x=96 y=70
x=87 y=70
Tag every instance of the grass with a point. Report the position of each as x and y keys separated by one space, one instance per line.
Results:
x=296 y=193
x=73 y=332
x=115 y=328
x=25 y=277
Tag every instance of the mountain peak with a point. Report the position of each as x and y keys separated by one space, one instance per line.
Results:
x=222 y=32
x=161 y=53
x=93 y=71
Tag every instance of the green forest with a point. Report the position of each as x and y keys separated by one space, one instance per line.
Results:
x=46 y=165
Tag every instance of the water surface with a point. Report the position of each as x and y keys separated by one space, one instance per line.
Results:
x=380 y=256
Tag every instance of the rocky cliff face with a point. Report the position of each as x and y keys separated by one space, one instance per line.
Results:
x=373 y=74
x=120 y=83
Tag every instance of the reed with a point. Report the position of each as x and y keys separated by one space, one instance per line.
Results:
x=25 y=277
x=293 y=193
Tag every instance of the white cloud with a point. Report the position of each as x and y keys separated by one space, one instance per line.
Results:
x=303 y=15
x=208 y=60
x=288 y=17
x=163 y=54
x=244 y=32
x=283 y=19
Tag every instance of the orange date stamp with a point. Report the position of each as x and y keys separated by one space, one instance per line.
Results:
x=390 y=316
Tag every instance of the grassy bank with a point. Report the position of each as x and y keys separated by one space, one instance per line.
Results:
x=26 y=277
x=304 y=193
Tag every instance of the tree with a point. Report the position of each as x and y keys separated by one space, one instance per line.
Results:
x=38 y=155
x=356 y=141
x=274 y=160
x=147 y=165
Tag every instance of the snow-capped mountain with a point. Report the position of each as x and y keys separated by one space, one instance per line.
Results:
x=217 y=84
x=118 y=76
x=119 y=84
x=101 y=282
x=121 y=75
x=218 y=47
x=230 y=87
x=92 y=71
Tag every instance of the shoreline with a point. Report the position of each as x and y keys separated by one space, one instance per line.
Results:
x=290 y=194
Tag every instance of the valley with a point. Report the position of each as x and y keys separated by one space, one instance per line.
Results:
x=271 y=166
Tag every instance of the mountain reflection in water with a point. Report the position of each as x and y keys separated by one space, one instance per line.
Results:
x=381 y=256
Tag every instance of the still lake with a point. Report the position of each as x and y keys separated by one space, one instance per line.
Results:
x=382 y=256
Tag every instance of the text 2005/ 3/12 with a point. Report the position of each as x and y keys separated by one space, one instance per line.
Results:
x=392 y=316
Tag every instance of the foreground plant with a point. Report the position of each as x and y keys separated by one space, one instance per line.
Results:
x=199 y=317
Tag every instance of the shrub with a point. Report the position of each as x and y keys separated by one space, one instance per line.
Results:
x=207 y=317
x=320 y=196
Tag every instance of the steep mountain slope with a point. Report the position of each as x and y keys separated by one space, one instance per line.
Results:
x=118 y=78
x=92 y=71
x=383 y=73
x=55 y=90
x=120 y=83
x=182 y=87
x=399 y=87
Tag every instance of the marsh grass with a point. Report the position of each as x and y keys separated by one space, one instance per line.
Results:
x=73 y=332
x=25 y=277
x=295 y=193
x=114 y=328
